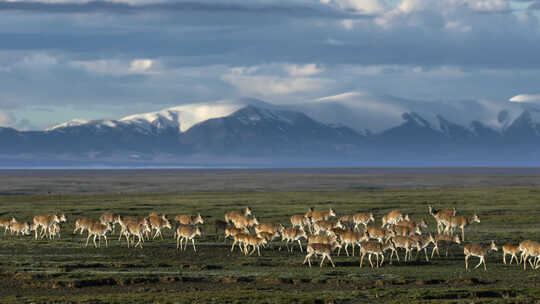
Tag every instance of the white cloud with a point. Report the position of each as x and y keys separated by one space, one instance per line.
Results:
x=6 y=119
x=273 y=85
x=360 y=6
x=526 y=98
x=118 y=67
x=295 y=70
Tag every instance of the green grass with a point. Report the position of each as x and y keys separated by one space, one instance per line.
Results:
x=63 y=271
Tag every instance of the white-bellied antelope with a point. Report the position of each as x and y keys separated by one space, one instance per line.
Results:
x=374 y=248
x=82 y=224
x=523 y=247
x=19 y=228
x=347 y=220
x=189 y=219
x=124 y=221
x=404 y=242
x=533 y=251
x=229 y=216
x=510 y=249
x=354 y=238
x=301 y=221
x=240 y=239
x=416 y=226
x=255 y=242
x=109 y=218
x=233 y=231
x=461 y=222
x=187 y=233
x=362 y=219
x=98 y=230
x=324 y=250
x=5 y=222
x=244 y=222
x=442 y=217
x=293 y=235
x=379 y=234
x=270 y=228
x=444 y=239
x=45 y=221
x=326 y=226
x=406 y=230
x=157 y=223
x=527 y=248
x=479 y=251
x=321 y=215
x=424 y=241
x=392 y=218
x=136 y=228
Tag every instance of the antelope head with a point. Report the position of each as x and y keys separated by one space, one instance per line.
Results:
x=199 y=219
x=331 y=212
x=493 y=246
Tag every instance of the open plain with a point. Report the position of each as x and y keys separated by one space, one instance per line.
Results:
x=63 y=270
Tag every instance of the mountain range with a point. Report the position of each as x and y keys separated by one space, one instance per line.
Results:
x=250 y=132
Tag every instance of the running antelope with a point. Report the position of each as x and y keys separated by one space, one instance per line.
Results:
x=393 y=217
x=240 y=239
x=461 y=222
x=189 y=219
x=157 y=223
x=406 y=243
x=109 y=218
x=255 y=242
x=352 y=238
x=98 y=230
x=322 y=215
x=45 y=221
x=479 y=251
x=442 y=217
x=374 y=248
x=362 y=218
x=187 y=233
x=511 y=250
x=378 y=233
x=293 y=235
x=446 y=239
x=323 y=250
x=5 y=222
x=229 y=216
x=82 y=224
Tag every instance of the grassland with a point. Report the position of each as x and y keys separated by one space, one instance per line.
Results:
x=64 y=271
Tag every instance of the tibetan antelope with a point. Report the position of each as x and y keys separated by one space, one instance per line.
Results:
x=407 y=243
x=6 y=222
x=157 y=223
x=220 y=225
x=98 y=230
x=300 y=221
x=417 y=226
x=511 y=250
x=322 y=239
x=19 y=228
x=45 y=221
x=460 y=222
x=270 y=228
x=374 y=248
x=321 y=215
x=362 y=219
x=240 y=239
x=527 y=249
x=352 y=238
x=82 y=224
x=268 y=236
x=233 y=231
x=189 y=220
x=229 y=216
x=326 y=226
x=54 y=231
x=479 y=251
x=124 y=221
x=136 y=228
x=533 y=251
x=109 y=218
x=244 y=222
x=393 y=217
x=446 y=239
x=424 y=241
x=293 y=235
x=255 y=242
x=187 y=233
x=406 y=230
x=323 y=250
x=347 y=220
x=442 y=217
x=379 y=234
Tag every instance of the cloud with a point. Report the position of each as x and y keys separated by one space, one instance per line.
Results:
x=303 y=70
x=532 y=98
x=118 y=67
x=6 y=119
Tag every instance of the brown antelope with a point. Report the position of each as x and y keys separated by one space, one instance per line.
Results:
x=300 y=221
x=136 y=228
x=229 y=216
x=321 y=215
x=406 y=230
x=511 y=250
x=82 y=224
x=532 y=251
x=293 y=235
x=268 y=236
x=124 y=221
x=379 y=233
x=374 y=248
x=406 y=243
x=270 y=228
x=347 y=220
x=220 y=225
x=446 y=239
x=442 y=217
x=45 y=221
x=460 y=222
x=527 y=247
x=326 y=226
x=5 y=222
x=240 y=239
x=417 y=226
x=19 y=228
x=392 y=218
x=479 y=251
x=362 y=218
x=189 y=219
x=187 y=233
x=323 y=250
x=109 y=218
x=322 y=239
x=233 y=231
x=244 y=222
x=157 y=223
x=424 y=241
x=255 y=242
x=352 y=238
x=54 y=231
x=98 y=230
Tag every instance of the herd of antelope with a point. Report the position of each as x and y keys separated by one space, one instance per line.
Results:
x=323 y=231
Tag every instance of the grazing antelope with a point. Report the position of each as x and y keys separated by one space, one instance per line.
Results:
x=379 y=233
x=229 y=216
x=442 y=217
x=460 y=222
x=323 y=250
x=511 y=250
x=443 y=238
x=479 y=251
x=157 y=223
x=5 y=222
x=19 y=228
x=362 y=218
x=424 y=241
x=255 y=242
x=321 y=215
x=187 y=233
x=109 y=218
x=406 y=243
x=293 y=235
x=374 y=248
x=98 y=230
x=189 y=219
x=352 y=238
x=220 y=225
x=326 y=226
x=45 y=221
x=82 y=224
x=392 y=218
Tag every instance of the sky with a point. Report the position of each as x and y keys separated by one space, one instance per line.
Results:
x=65 y=59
